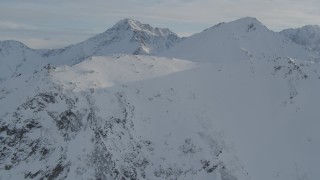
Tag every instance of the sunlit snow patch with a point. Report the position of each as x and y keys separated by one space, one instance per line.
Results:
x=106 y=71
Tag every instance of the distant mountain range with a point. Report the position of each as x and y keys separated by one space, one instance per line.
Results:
x=234 y=102
x=307 y=36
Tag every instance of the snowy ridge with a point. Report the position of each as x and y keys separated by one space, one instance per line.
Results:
x=16 y=59
x=126 y=37
x=243 y=39
x=138 y=26
x=307 y=36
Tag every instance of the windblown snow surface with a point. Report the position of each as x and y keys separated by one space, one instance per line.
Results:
x=243 y=105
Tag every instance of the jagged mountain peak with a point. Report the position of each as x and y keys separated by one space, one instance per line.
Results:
x=131 y=23
x=248 y=19
x=245 y=24
x=127 y=36
x=136 y=26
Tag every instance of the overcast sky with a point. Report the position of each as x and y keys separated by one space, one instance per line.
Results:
x=57 y=23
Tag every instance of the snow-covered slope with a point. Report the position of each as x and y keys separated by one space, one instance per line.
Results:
x=142 y=117
x=101 y=71
x=125 y=37
x=242 y=39
x=307 y=36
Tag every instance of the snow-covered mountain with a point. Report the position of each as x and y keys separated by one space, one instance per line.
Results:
x=307 y=36
x=125 y=37
x=243 y=39
x=244 y=105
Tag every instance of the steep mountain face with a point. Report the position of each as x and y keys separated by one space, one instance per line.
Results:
x=126 y=37
x=245 y=107
x=57 y=128
x=307 y=36
x=242 y=39
x=143 y=117
x=16 y=59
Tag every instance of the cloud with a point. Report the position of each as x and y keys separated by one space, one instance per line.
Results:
x=9 y=25
x=42 y=37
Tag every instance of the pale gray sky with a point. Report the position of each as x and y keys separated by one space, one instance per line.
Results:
x=57 y=23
